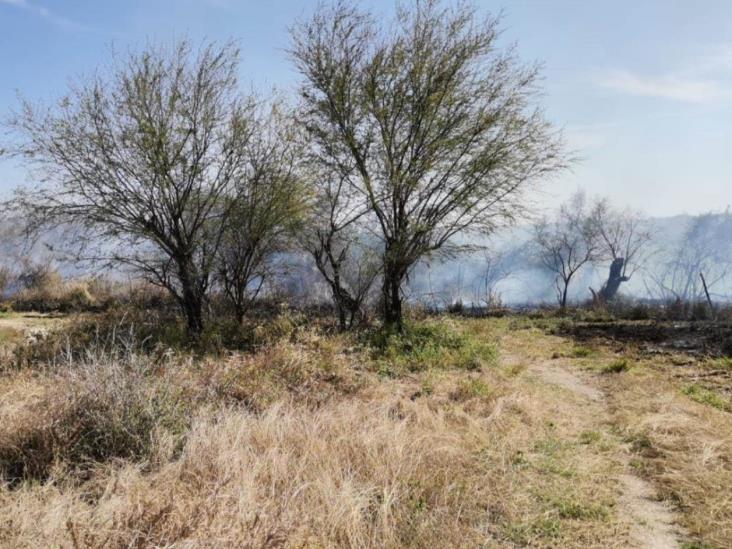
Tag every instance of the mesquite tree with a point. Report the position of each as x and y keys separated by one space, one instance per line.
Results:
x=335 y=241
x=140 y=161
x=431 y=124
x=266 y=206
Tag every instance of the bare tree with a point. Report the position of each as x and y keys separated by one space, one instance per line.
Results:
x=140 y=160
x=495 y=269
x=566 y=243
x=624 y=237
x=432 y=126
x=267 y=204
x=705 y=248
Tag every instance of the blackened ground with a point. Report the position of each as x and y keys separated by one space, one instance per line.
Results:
x=702 y=338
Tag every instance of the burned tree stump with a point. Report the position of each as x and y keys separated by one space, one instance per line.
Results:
x=612 y=285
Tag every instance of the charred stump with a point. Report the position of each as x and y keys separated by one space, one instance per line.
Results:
x=614 y=280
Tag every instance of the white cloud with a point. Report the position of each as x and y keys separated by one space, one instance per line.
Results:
x=673 y=86
x=45 y=13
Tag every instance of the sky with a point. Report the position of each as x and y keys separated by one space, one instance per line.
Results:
x=641 y=88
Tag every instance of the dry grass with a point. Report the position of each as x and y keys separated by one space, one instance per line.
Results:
x=683 y=446
x=323 y=440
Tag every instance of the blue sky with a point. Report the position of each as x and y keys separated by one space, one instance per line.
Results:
x=643 y=88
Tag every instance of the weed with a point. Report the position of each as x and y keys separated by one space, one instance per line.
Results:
x=616 y=367
x=705 y=396
x=582 y=352
x=588 y=437
x=472 y=387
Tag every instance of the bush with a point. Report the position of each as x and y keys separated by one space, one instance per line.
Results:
x=92 y=413
x=42 y=289
x=429 y=344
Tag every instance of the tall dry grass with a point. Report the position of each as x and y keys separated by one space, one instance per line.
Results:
x=312 y=440
x=365 y=473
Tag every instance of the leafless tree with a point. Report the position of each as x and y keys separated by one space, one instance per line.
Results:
x=567 y=243
x=624 y=238
x=140 y=159
x=495 y=269
x=430 y=123
x=705 y=248
x=267 y=204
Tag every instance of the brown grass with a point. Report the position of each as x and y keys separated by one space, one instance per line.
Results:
x=683 y=446
x=320 y=441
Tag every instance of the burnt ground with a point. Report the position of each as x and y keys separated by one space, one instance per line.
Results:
x=687 y=348
x=697 y=338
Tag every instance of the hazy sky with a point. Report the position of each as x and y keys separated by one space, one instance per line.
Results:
x=643 y=88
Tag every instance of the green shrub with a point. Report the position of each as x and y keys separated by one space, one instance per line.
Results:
x=429 y=344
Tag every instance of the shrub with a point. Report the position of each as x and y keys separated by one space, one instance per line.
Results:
x=91 y=413
x=429 y=344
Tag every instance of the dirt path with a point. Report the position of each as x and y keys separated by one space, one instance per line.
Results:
x=651 y=523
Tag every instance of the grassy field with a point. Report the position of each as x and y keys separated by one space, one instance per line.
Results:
x=503 y=432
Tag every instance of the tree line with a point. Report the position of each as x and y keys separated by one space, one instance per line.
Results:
x=405 y=137
x=583 y=232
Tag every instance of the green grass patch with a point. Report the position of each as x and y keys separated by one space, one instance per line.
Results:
x=578 y=510
x=616 y=367
x=640 y=443
x=703 y=395
x=524 y=533
x=589 y=437
x=434 y=344
x=696 y=545
x=472 y=388
x=581 y=352
x=550 y=446
x=724 y=363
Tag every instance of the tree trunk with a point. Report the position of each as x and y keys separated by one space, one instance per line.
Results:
x=192 y=304
x=342 y=323
x=240 y=314
x=393 y=300
x=193 y=309
x=614 y=279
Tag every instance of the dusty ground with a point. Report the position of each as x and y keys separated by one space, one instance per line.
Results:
x=572 y=440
